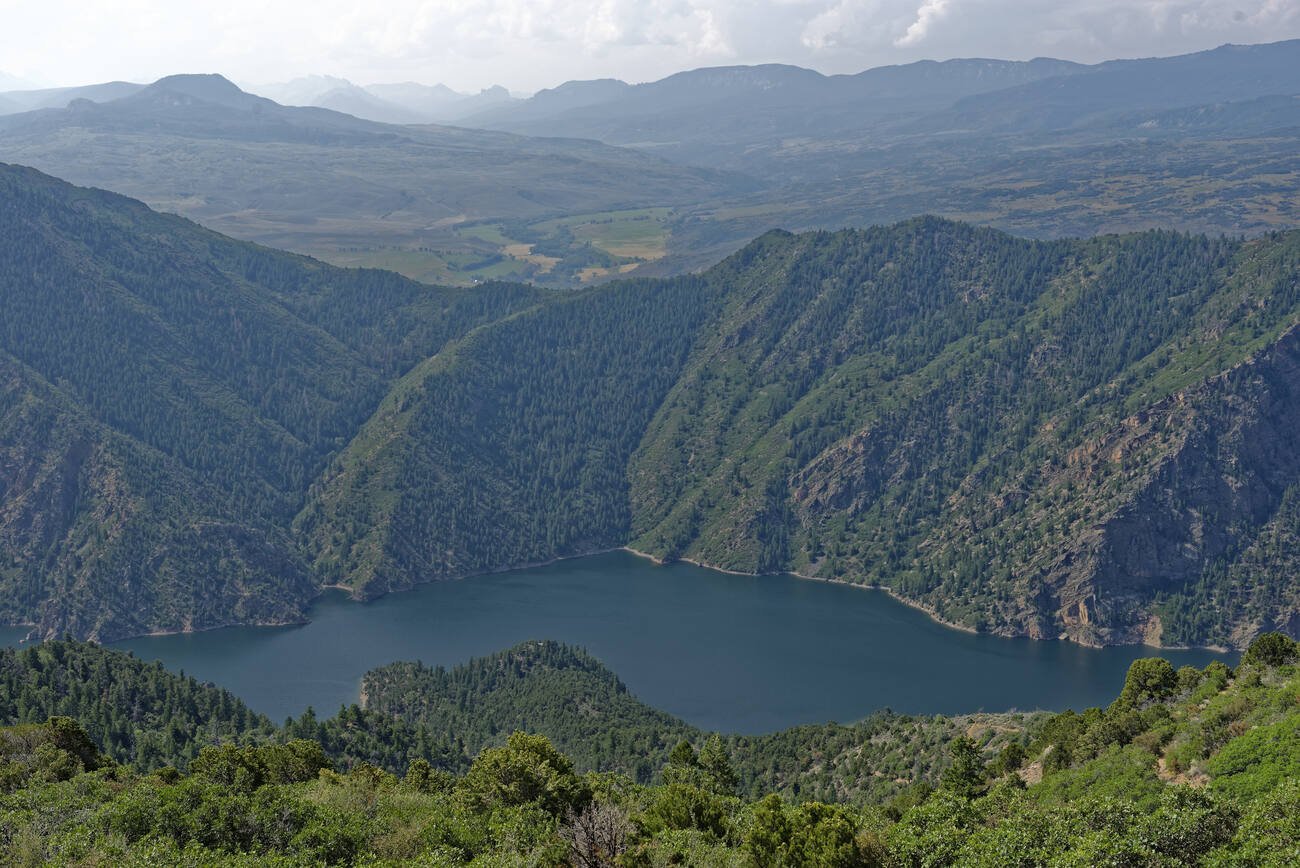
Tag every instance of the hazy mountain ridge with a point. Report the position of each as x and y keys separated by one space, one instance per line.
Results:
x=15 y=101
x=1201 y=142
x=600 y=108
x=397 y=102
x=1226 y=74
x=324 y=182
x=954 y=95
x=1204 y=142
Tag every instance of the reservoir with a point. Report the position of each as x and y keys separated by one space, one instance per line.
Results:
x=732 y=653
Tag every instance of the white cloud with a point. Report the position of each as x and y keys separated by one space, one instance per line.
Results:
x=526 y=44
x=931 y=11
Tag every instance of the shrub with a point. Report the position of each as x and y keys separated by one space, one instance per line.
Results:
x=1271 y=649
x=1149 y=679
x=527 y=770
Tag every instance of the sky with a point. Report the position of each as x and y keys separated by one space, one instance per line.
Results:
x=530 y=44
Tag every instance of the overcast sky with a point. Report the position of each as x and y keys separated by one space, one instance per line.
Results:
x=529 y=44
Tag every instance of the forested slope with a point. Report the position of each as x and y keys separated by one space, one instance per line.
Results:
x=1091 y=439
x=1185 y=768
x=136 y=712
x=511 y=446
x=168 y=394
x=1006 y=431
x=1064 y=438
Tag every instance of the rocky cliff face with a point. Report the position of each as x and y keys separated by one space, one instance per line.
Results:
x=1232 y=452
x=1102 y=451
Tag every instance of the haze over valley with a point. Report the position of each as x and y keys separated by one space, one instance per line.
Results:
x=690 y=167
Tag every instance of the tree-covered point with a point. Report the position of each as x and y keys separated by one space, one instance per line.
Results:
x=143 y=715
x=543 y=687
x=138 y=713
x=147 y=717
x=1112 y=798
x=587 y=712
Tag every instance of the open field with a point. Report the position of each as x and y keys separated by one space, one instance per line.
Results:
x=641 y=233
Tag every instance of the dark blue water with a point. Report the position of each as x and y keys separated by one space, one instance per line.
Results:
x=10 y=636
x=725 y=652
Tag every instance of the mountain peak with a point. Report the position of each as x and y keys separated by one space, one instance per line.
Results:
x=207 y=87
x=198 y=84
x=761 y=75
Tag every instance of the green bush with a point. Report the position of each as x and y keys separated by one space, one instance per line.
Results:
x=1271 y=649
x=1149 y=679
x=527 y=770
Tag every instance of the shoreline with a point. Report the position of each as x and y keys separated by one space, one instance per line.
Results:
x=911 y=604
x=532 y=565
x=923 y=608
x=193 y=631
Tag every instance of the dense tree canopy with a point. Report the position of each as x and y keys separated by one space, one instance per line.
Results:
x=1200 y=770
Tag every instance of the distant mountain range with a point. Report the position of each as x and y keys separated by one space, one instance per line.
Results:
x=1094 y=440
x=749 y=105
x=1044 y=148
x=399 y=103
x=15 y=101
x=323 y=182
x=705 y=115
x=693 y=166
x=763 y=107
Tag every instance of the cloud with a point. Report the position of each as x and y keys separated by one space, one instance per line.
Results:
x=930 y=12
x=588 y=27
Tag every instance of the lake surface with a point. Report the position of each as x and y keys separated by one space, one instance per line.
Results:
x=734 y=653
